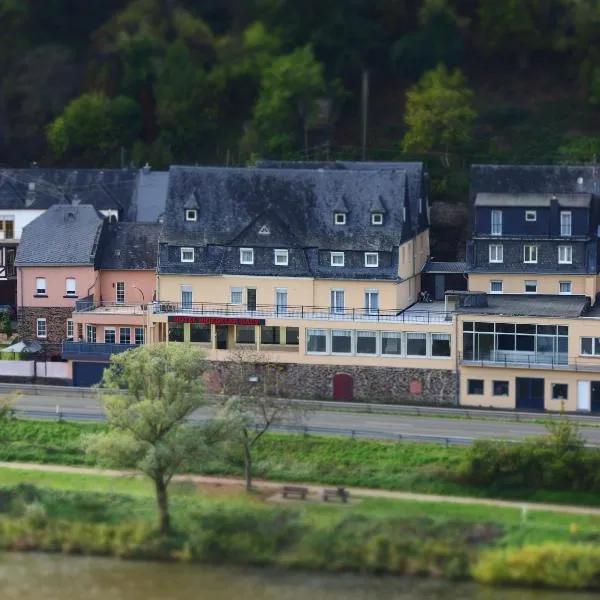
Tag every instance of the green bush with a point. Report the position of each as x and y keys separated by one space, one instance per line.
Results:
x=571 y=566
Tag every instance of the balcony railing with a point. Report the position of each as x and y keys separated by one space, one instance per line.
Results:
x=88 y=305
x=90 y=350
x=271 y=311
x=526 y=360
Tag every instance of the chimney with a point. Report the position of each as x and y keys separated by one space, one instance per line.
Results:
x=30 y=197
x=554 y=216
x=146 y=169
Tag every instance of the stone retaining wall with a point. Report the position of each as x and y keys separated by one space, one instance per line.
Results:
x=56 y=324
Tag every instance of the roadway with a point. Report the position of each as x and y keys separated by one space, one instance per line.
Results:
x=384 y=425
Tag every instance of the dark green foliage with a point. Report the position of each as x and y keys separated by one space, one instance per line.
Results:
x=5 y=324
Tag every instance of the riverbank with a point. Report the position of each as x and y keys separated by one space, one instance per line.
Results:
x=396 y=466
x=225 y=525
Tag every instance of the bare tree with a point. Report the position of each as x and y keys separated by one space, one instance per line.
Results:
x=251 y=404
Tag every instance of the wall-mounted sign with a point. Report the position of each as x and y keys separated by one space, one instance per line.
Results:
x=215 y=320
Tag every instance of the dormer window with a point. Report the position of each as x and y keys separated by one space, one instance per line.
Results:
x=246 y=256
x=337 y=259
x=281 y=258
x=187 y=255
x=191 y=214
x=339 y=218
x=371 y=259
x=530 y=215
x=377 y=218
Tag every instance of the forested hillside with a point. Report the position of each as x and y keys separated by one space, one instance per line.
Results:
x=110 y=82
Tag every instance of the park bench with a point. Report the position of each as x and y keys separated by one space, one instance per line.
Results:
x=294 y=491
x=337 y=494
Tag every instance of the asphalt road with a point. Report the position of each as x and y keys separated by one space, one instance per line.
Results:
x=384 y=424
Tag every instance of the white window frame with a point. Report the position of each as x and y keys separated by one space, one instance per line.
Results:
x=497 y=255
x=121 y=340
x=120 y=291
x=44 y=334
x=392 y=335
x=337 y=309
x=186 y=289
x=530 y=282
x=135 y=337
x=280 y=306
x=246 y=260
x=532 y=251
x=281 y=257
x=41 y=290
x=191 y=214
x=71 y=282
x=531 y=215
x=352 y=341
x=114 y=330
x=339 y=218
x=595 y=351
x=236 y=290
x=187 y=251
x=337 y=255
x=370 y=255
x=565 y=255
x=440 y=336
x=376 y=218
x=91 y=329
x=70 y=330
x=407 y=335
x=566 y=228
x=497 y=229
x=369 y=308
x=366 y=334
x=570 y=284
x=322 y=332
x=492 y=282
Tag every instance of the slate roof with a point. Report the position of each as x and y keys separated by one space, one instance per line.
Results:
x=61 y=236
x=526 y=305
x=445 y=267
x=130 y=246
x=535 y=179
x=415 y=174
x=39 y=189
x=296 y=206
x=150 y=196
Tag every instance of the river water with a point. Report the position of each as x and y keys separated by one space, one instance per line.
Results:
x=54 y=577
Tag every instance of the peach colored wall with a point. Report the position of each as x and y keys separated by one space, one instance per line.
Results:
x=116 y=319
x=354 y=292
x=55 y=285
x=144 y=280
x=546 y=284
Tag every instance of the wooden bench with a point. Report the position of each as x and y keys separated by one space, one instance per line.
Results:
x=294 y=491
x=337 y=494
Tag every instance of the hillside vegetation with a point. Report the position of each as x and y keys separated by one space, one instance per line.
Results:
x=115 y=82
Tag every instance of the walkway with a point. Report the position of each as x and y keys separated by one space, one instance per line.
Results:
x=318 y=489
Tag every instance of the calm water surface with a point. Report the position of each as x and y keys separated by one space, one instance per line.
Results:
x=48 y=577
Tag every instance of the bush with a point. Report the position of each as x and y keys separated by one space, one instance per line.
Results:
x=570 y=566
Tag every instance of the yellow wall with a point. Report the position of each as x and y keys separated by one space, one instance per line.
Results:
x=546 y=284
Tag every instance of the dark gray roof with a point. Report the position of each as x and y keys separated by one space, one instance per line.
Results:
x=445 y=267
x=130 y=246
x=61 y=236
x=535 y=179
x=415 y=173
x=151 y=196
x=38 y=189
x=527 y=305
x=296 y=207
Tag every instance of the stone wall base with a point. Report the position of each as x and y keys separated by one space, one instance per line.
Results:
x=384 y=385
x=56 y=323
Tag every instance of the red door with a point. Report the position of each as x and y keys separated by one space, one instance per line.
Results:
x=343 y=387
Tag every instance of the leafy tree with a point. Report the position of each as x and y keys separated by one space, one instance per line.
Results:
x=580 y=149
x=93 y=128
x=150 y=391
x=5 y=324
x=439 y=113
x=256 y=407
x=290 y=86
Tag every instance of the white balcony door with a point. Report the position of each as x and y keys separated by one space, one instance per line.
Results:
x=337 y=301
x=281 y=300
x=584 y=396
x=371 y=302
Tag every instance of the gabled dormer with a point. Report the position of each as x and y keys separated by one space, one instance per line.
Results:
x=340 y=212
x=377 y=211
x=191 y=208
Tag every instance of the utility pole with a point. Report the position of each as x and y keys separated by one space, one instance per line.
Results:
x=365 y=111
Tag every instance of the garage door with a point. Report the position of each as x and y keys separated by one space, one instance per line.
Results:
x=86 y=374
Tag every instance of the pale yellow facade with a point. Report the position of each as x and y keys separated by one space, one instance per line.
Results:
x=584 y=285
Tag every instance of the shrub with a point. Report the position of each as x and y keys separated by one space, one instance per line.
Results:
x=571 y=566
x=36 y=515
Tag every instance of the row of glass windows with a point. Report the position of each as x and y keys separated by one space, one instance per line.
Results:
x=114 y=335
x=202 y=333
x=530 y=254
x=566 y=221
x=476 y=387
x=386 y=343
x=530 y=286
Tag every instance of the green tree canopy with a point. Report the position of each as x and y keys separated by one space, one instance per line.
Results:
x=92 y=130
x=150 y=392
x=439 y=113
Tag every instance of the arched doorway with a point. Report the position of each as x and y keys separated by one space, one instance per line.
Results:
x=343 y=387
